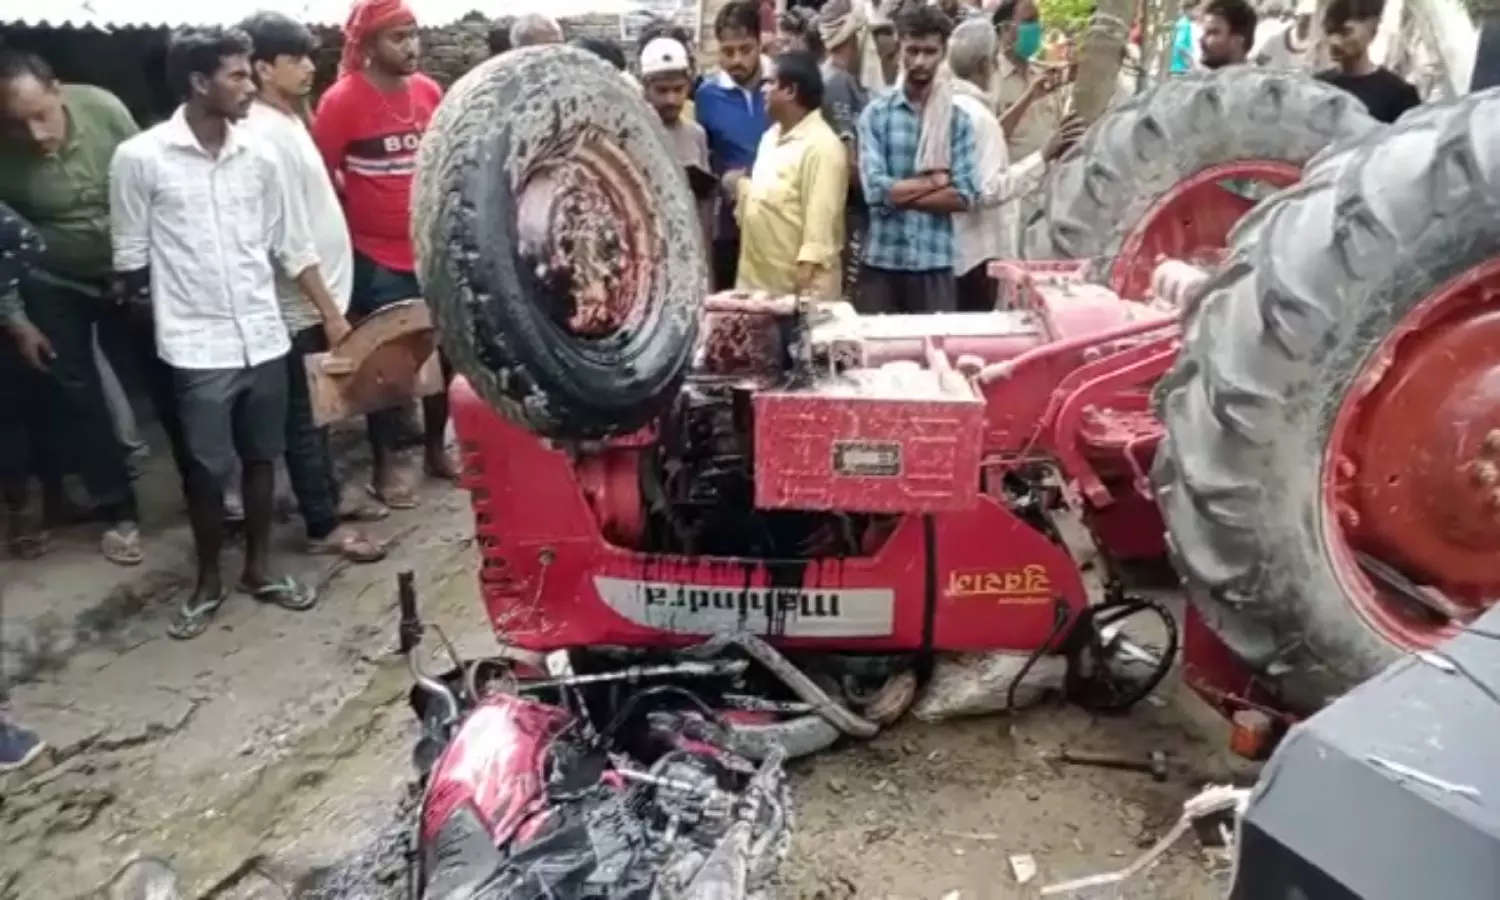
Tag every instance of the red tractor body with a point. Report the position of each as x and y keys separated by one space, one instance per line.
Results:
x=925 y=432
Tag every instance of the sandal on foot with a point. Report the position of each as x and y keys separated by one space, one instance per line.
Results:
x=360 y=509
x=285 y=592
x=192 y=619
x=452 y=464
x=399 y=497
x=349 y=545
x=122 y=546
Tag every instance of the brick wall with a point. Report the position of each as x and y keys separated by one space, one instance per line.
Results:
x=129 y=62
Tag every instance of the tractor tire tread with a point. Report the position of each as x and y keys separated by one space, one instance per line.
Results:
x=1312 y=287
x=1139 y=151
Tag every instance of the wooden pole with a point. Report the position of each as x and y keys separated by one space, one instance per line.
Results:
x=1100 y=52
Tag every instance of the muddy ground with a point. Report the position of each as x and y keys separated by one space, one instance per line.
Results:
x=276 y=745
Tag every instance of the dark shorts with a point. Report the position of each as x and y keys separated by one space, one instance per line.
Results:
x=229 y=413
x=376 y=287
x=888 y=291
x=977 y=291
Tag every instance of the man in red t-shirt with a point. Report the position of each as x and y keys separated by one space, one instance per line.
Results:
x=368 y=127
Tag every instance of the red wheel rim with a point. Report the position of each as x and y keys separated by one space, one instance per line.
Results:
x=1411 y=473
x=584 y=217
x=1192 y=221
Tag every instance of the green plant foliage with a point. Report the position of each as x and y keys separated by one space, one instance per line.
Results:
x=1068 y=15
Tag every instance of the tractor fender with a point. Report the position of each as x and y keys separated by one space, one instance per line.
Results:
x=1276 y=349
x=1105 y=188
x=547 y=186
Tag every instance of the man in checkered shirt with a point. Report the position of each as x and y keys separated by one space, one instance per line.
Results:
x=907 y=259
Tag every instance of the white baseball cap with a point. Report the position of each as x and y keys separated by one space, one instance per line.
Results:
x=664 y=54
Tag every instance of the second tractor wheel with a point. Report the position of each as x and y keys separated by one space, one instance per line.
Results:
x=1330 y=480
x=1149 y=178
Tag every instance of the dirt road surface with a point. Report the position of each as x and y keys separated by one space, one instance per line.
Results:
x=266 y=758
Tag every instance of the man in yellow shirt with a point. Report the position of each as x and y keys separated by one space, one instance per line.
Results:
x=790 y=207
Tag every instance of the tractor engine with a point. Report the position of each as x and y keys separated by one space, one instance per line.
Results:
x=695 y=486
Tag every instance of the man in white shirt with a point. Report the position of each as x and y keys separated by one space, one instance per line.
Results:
x=1289 y=45
x=990 y=229
x=197 y=211
x=283 y=68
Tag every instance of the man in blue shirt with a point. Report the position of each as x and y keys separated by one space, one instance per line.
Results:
x=732 y=110
x=918 y=165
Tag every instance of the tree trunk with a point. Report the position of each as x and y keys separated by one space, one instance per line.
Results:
x=1487 y=55
x=1100 y=52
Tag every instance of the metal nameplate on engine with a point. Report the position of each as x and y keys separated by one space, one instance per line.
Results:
x=867 y=459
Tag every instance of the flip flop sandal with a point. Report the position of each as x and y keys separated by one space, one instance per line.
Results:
x=123 y=548
x=284 y=592
x=353 y=509
x=454 y=463
x=353 y=547
x=400 y=498
x=192 y=620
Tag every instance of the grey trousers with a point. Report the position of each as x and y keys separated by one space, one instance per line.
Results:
x=120 y=410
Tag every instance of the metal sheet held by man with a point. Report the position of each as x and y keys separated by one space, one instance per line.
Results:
x=709 y=608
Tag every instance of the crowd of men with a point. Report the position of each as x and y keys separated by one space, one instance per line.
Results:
x=208 y=254
x=882 y=152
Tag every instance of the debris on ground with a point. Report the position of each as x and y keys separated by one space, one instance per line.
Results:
x=1023 y=867
x=976 y=684
x=1214 y=800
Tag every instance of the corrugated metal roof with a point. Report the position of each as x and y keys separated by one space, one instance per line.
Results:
x=118 y=14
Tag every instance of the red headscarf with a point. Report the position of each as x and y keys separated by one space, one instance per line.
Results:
x=366 y=19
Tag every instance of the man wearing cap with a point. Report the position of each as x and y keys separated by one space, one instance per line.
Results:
x=368 y=128
x=667 y=79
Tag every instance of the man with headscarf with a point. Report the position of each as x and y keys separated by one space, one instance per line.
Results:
x=368 y=128
x=918 y=166
x=841 y=28
x=879 y=65
x=534 y=30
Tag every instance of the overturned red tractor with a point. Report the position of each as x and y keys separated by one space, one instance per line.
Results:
x=1308 y=426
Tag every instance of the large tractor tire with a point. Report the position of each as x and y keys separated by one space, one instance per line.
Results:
x=1329 y=477
x=1147 y=179
x=558 y=244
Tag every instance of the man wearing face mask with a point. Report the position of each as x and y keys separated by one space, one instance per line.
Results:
x=1028 y=97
